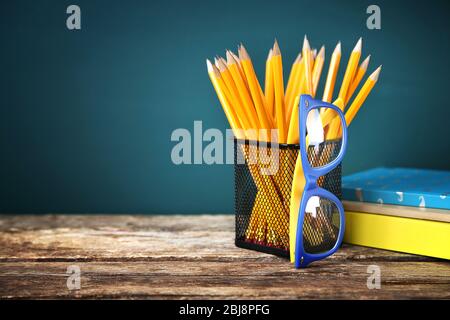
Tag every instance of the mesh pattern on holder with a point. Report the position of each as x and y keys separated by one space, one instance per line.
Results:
x=262 y=201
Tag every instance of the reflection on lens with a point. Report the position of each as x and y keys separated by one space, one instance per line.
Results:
x=324 y=132
x=321 y=225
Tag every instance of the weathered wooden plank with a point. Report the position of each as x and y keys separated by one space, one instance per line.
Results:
x=100 y=237
x=223 y=280
x=189 y=257
x=96 y=237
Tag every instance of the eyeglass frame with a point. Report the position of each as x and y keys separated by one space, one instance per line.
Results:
x=312 y=174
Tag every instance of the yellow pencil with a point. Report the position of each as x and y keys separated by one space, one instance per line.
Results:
x=349 y=75
x=293 y=134
x=306 y=75
x=362 y=95
x=214 y=75
x=351 y=69
x=243 y=91
x=317 y=70
x=279 y=93
x=300 y=89
x=291 y=80
x=255 y=89
x=296 y=88
x=269 y=90
x=239 y=64
x=261 y=93
x=332 y=73
x=307 y=65
x=241 y=111
x=335 y=123
x=298 y=182
x=358 y=77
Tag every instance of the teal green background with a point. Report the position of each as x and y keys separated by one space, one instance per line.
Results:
x=86 y=116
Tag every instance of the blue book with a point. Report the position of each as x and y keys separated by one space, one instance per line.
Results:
x=399 y=186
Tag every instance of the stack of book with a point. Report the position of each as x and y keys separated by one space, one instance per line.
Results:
x=406 y=210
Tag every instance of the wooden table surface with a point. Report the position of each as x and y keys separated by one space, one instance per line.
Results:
x=172 y=257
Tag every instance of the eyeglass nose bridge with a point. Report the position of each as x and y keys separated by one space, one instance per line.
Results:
x=311 y=181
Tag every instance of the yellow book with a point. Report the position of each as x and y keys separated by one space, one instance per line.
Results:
x=398 y=233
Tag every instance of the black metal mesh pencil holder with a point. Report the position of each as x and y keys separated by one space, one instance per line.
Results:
x=263 y=191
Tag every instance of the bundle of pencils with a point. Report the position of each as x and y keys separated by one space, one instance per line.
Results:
x=247 y=106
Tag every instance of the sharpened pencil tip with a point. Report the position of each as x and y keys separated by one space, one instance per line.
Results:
x=221 y=64
x=365 y=63
x=212 y=68
x=337 y=50
x=358 y=46
x=374 y=76
x=230 y=59
x=276 y=48
x=321 y=52
x=306 y=43
x=243 y=54
x=235 y=57
x=275 y=44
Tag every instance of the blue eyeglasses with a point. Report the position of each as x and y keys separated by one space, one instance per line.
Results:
x=321 y=221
